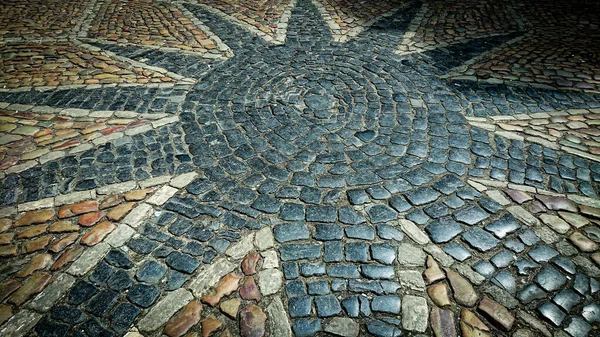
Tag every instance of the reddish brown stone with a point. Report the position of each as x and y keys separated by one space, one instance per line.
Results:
x=5 y=313
x=37 y=244
x=66 y=257
x=249 y=263
x=113 y=129
x=32 y=231
x=583 y=243
x=228 y=284
x=8 y=250
x=464 y=293
x=472 y=326
x=7 y=288
x=90 y=219
x=111 y=201
x=433 y=272
x=136 y=195
x=496 y=313
x=39 y=261
x=63 y=243
x=120 y=211
x=518 y=196
x=184 y=320
x=5 y=224
x=210 y=325
x=97 y=233
x=35 y=217
x=62 y=226
x=536 y=207
x=231 y=307
x=252 y=321
x=249 y=290
x=32 y=286
x=557 y=203
x=6 y=238
x=82 y=207
x=442 y=322
x=66 y=145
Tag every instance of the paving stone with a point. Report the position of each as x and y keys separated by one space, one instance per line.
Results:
x=471 y=325
x=386 y=304
x=442 y=322
x=158 y=315
x=252 y=321
x=410 y=255
x=464 y=293
x=552 y=313
x=550 y=279
x=341 y=326
x=443 y=230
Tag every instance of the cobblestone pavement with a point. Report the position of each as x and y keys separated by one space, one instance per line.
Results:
x=299 y=168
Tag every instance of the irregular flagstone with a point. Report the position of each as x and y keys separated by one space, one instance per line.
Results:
x=225 y=287
x=35 y=217
x=249 y=290
x=414 y=313
x=20 y=324
x=231 y=307
x=210 y=325
x=464 y=293
x=442 y=323
x=279 y=324
x=433 y=272
x=439 y=294
x=52 y=293
x=270 y=281
x=470 y=325
x=496 y=313
x=32 y=286
x=179 y=324
x=252 y=321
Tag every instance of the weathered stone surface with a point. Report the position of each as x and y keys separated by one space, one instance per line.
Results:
x=433 y=272
x=442 y=323
x=414 y=313
x=64 y=242
x=39 y=261
x=264 y=239
x=225 y=287
x=252 y=321
x=34 y=217
x=164 y=309
x=82 y=207
x=342 y=326
x=498 y=314
x=270 y=281
x=52 y=293
x=20 y=324
x=470 y=325
x=583 y=242
x=249 y=290
x=439 y=294
x=179 y=324
x=119 y=212
x=279 y=324
x=249 y=263
x=32 y=286
x=210 y=325
x=208 y=276
x=67 y=257
x=410 y=255
x=98 y=233
x=231 y=307
x=7 y=288
x=464 y=293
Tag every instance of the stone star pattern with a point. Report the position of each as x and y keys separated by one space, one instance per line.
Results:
x=299 y=168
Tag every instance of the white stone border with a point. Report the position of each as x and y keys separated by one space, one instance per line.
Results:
x=25 y=319
x=280 y=32
x=353 y=32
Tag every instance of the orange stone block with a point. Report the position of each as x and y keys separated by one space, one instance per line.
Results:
x=39 y=261
x=82 y=207
x=120 y=211
x=66 y=257
x=111 y=201
x=62 y=226
x=98 y=233
x=184 y=320
x=32 y=232
x=136 y=195
x=63 y=243
x=90 y=219
x=210 y=325
x=32 y=286
x=35 y=217
x=37 y=244
x=227 y=285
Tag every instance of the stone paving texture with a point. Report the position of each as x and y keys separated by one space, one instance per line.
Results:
x=299 y=168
